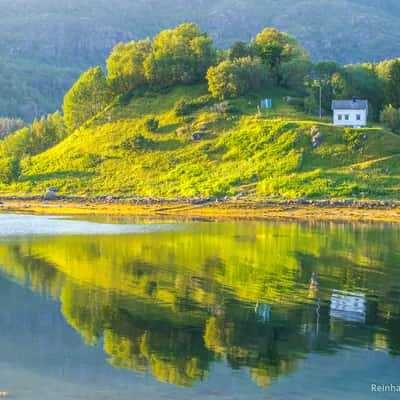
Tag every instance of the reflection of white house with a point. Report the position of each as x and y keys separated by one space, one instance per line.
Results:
x=350 y=112
x=348 y=306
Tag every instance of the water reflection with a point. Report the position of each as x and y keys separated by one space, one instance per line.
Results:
x=261 y=296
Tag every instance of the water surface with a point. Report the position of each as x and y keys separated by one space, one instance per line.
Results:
x=93 y=310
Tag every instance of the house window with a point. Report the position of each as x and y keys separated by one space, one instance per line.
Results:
x=339 y=117
x=346 y=117
x=358 y=116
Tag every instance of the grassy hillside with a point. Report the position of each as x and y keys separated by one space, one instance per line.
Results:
x=211 y=152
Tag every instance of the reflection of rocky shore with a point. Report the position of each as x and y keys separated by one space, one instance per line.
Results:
x=260 y=296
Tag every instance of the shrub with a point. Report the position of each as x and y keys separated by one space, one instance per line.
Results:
x=390 y=117
x=187 y=107
x=136 y=143
x=9 y=170
x=151 y=124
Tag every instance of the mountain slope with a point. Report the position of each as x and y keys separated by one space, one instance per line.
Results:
x=76 y=34
x=213 y=153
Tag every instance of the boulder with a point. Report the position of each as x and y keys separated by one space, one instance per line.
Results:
x=196 y=136
x=50 y=195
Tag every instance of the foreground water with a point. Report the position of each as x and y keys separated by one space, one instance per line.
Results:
x=94 y=310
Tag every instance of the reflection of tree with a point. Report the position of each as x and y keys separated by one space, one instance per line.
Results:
x=171 y=303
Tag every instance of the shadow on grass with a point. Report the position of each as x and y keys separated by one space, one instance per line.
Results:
x=168 y=145
x=168 y=128
x=57 y=175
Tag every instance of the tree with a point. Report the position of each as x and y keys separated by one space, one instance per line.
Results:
x=9 y=169
x=45 y=133
x=390 y=117
x=234 y=78
x=125 y=65
x=326 y=69
x=87 y=97
x=276 y=48
x=223 y=80
x=389 y=72
x=294 y=74
x=181 y=55
x=240 y=50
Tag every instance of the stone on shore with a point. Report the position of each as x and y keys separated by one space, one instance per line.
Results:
x=50 y=195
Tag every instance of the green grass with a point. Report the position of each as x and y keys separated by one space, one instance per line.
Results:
x=239 y=153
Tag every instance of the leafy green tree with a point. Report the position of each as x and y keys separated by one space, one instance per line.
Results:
x=9 y=169
x=362 y=81
x=46 y=132
x=87 y=97
x=151 y=124
x=295 y=73
x=276 y=48
x=181 y=55
x=240 y=50
x=223 y=80
x=390 y=117
x=234 y=78
x=389 y=72
x=125 y=66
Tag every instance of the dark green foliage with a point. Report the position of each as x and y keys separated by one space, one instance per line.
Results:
x=40 y=61
x=9 y=169
x=186 y=107
x=360 y=80
x=136 y=143
x=240 y=50
x=29 y=89
x=151 y=124
x=389 y=72
x=294 y=74
x=390 y=117
x=297 y=102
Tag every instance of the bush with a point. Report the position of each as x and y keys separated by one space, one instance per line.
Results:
x=136 y=143
x=187 y=107
x=151 y=124
x=297 y=103
x=390 y=117
x=9 y=170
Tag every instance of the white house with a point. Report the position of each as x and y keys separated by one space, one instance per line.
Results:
x=350 y=112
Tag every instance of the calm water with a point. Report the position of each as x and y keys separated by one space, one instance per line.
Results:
x=95 y=310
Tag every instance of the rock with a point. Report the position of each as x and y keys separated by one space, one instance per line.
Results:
x=180 y=131
x=196 y=136
x=50 y=195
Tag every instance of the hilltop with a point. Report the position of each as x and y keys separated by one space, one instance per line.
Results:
x=45 y=45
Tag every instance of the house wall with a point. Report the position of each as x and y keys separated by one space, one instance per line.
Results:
x=352 y=117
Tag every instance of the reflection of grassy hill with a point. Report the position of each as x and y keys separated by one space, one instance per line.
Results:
x=212 y=153
x=171 y=304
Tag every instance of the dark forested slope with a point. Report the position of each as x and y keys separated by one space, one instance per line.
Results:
x=75 y=34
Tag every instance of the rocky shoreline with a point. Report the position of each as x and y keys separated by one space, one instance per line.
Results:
x=193 y=201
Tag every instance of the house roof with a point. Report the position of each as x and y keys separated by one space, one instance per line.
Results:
x=354 y=104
